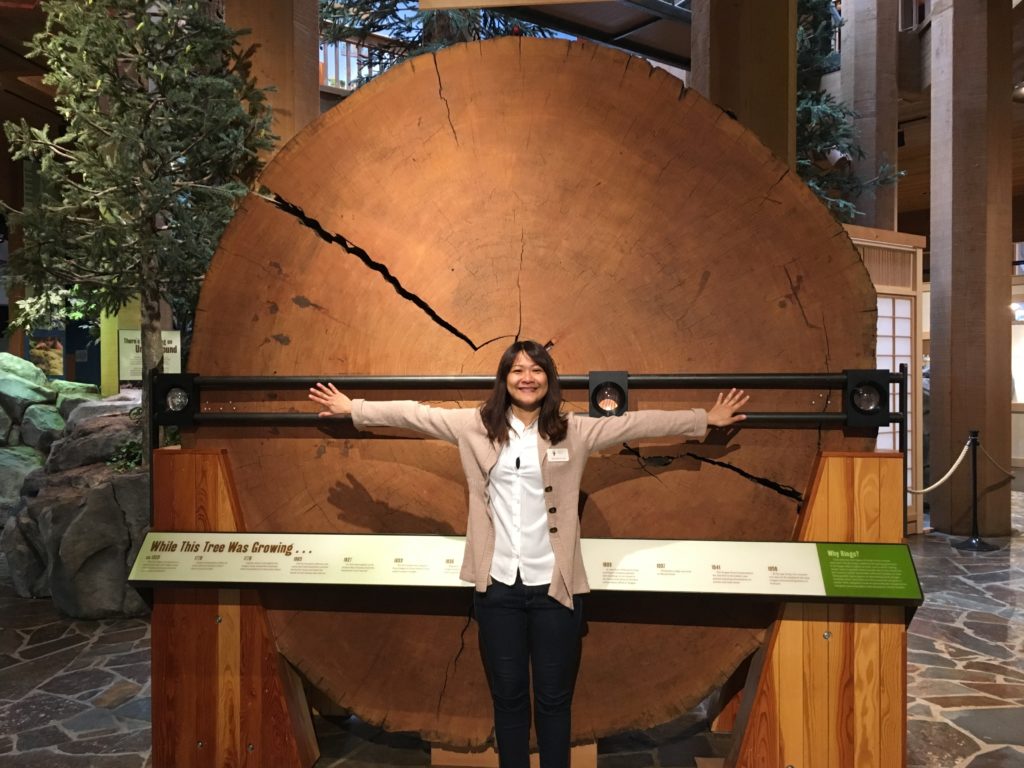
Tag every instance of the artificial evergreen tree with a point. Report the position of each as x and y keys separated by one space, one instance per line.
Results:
x=826 y=141
x=163 y=126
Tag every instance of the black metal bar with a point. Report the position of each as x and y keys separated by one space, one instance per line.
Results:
x=266 y=418
x=974 y=484
x=902 y=408
x=817 y=417
x=570 y=381
x=422 y=383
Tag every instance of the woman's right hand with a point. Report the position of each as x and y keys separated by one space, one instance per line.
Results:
x=333 y=402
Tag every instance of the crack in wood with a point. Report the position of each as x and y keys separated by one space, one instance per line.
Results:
x=447 y=106
x=663 y=461
x=454 y=664
x=794 y=288
x=381 y=269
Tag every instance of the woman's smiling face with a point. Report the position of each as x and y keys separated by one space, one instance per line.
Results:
x=527 y=383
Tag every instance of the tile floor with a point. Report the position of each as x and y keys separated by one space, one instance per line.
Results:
x=76 y=693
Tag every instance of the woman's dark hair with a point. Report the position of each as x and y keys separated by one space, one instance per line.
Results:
x=494 y=412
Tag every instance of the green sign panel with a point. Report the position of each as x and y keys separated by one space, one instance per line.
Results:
x=868 y=571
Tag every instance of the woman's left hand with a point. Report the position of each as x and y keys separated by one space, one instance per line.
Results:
x=724 y=412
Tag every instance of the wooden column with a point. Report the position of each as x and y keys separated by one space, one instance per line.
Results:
x=286 y=31
x=222 y=695
x=744 y=60
x=868 y=76
x=970 y=256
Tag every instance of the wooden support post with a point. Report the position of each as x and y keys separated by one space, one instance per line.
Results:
x=222 y=694
x=831 y=692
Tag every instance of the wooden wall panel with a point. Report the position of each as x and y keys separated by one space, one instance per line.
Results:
x=866 y=514
x=867 y=660
x=840 y=500
x=892 y=703
x=814 y=688
x=788 y=669
x=833 y=686
x=840 y=686
x=222 y=694
x=890 y=501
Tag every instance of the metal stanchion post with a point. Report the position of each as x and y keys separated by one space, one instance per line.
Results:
x=975 y=543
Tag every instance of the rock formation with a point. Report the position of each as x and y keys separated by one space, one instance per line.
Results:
x=72 y=524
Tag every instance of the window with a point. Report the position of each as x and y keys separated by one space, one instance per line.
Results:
x=895 y=346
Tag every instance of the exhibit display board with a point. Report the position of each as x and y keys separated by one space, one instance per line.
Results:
x=782 y=570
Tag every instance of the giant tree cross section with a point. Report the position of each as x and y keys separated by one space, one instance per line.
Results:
x=523 y=188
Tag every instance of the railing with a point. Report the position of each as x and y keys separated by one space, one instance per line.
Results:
x=346 y=63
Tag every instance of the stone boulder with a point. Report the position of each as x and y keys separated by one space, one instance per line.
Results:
x=65 y=387
x=5 y=428
x=18 y=367
x=76 y=536
x=68 y=401
x=74 y=539
x=88 y=577
x=71 y=394
x=91 y=440
x=16 y=395
x=40 y=426
x=122 y=403
x=16 y=463
x=70 y=524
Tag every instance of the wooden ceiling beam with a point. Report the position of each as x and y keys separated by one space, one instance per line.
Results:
x=30 y=90
x=15 y=106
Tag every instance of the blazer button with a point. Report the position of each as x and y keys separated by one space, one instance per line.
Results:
x=553 y=530
x=548 y=489
x=552 y=510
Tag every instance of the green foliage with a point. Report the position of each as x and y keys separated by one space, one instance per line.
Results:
x=163 y=126
x=826 y=141
x=818 y=22
x=411 y=31
x=126 y=457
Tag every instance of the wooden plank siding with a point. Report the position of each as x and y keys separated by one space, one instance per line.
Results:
x=222 y=694
x=832 y=690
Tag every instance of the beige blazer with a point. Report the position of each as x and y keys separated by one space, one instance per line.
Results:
x=561 y=467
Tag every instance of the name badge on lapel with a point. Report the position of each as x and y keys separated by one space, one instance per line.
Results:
x=558 y=454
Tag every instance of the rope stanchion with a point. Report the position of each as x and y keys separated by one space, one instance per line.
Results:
x=974 y=543
x=995 y=463
x=945 y=477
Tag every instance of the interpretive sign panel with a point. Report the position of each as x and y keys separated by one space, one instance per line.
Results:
x=300 y=558
x=129 y=354
x=866 y=570
x=776 y=569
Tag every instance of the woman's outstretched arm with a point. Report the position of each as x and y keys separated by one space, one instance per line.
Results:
x=605 y=431
x=441 y=423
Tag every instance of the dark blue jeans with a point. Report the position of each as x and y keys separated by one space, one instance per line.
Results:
x=521 y=627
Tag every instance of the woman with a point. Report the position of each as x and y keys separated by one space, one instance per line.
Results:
x=524 y=459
